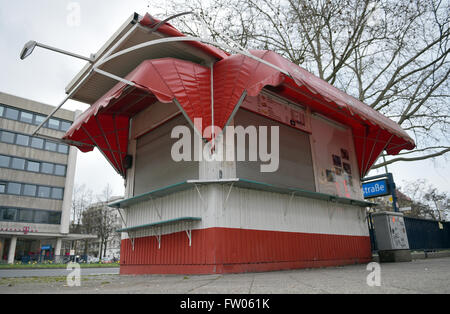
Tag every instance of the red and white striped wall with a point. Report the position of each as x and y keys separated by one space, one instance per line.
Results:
x=250 y=230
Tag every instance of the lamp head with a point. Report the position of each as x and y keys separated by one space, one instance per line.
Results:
x=28 y=49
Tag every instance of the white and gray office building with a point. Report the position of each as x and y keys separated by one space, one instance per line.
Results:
x=36 y=180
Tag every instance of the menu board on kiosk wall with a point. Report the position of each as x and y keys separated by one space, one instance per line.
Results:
x=279 y=110
x=336 y=166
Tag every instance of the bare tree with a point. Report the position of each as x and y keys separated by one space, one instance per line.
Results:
x=89 y=225
x=81 y=200
x=101 y=220
x=106 y=221
x=439 y=202
x=391 y=55
x=426 y=201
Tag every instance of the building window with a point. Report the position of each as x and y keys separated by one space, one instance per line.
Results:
x=11 y=113
x=30 y=215
x=18 y=163
x=53 y=124
x=38 y=119
x=7 y=214
x=47 y=168
x=54 y=218
x=41 y=216
x=33 y=166
x=51 y=146
x=65 y=125
x=14 y=188
x=44 y=191
x=22 y=140
x=29 y=190
x=63 y=148
x=57 y=193
x=25 y=215
x=7 y=137
x=32 y=190
x=60 y=170
x=37 y=143
x=4 y=161
x=26 y=117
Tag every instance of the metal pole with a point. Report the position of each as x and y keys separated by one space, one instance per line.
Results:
x=392 y=189
x=385 y=166
x=212 y=107
x=94 y=69
x=52 y=113
x=65 y=52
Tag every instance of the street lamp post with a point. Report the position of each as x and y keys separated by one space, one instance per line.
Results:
x=29 y=47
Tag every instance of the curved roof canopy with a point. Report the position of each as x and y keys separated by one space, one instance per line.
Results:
x=106 y=123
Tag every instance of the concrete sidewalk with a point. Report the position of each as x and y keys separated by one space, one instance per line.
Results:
x=418 y=276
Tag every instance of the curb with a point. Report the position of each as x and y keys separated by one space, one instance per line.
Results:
x=419 y=255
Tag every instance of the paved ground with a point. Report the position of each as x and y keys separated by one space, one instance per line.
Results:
x=418 y=276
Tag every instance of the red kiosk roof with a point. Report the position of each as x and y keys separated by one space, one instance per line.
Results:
x=106 y=123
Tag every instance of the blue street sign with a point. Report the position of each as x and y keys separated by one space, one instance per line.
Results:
x=376 y=188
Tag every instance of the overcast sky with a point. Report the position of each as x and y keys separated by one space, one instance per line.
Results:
x=44 y=75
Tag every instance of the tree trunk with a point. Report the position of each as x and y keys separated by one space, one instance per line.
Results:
x=101 y=250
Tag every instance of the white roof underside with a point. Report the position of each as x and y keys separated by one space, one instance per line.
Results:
x=97 y=85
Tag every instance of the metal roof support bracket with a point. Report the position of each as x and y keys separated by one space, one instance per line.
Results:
x=212 y=101
x=156 y=229
x=366 y=167
x=233 y=113
x=157 y=209
x=227 y=197
x=205 y=205
x=189 y=234
x=101 y=151
x=114 y=77
x=121 y=217
x=366 y=130
x=331 y=210
x=130 y=233
x=158 y=237
x=289 y=203
x=132 y=238
x=185 y=115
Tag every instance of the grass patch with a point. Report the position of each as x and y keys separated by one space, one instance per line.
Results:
x=27 y=280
